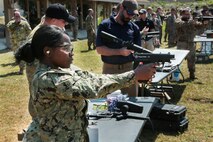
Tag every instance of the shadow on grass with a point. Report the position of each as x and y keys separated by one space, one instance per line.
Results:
x=9 y=64
x=10 y=74
x=202 y=100
x=178 y=90
x=84 y=51
x=5 y=51
x=209 y=61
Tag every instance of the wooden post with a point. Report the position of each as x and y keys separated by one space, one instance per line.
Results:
x=95 y=14
x=38 y=6
x=8 y=5
x=28 y=9
x=46 y=4
x=81 y=17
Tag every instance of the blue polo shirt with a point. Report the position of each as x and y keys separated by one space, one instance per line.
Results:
x=146 y=23
x=126 y=32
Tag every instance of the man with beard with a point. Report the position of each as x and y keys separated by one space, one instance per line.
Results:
x=118 y=59
x=186 y=29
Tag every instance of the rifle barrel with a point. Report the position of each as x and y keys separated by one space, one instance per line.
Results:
x=127 y=44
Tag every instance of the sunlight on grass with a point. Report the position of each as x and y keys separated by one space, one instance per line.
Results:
x=86 y=60
x=2 y=20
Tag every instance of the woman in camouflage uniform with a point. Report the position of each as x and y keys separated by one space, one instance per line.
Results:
x=59 y=94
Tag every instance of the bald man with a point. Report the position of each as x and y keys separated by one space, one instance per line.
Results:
x=18 y=31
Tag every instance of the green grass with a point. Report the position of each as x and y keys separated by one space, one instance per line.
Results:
x=2 y=20
x=87 y=60
x=195 y=95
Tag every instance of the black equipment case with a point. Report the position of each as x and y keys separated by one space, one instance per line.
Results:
x=171 y=126
x=169 y=117
x=168 y=112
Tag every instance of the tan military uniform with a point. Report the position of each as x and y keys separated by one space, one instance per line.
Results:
x=18 y=33
x=74 y=28
x=186 y=31
x=90 y=32
x=170 y=27
x=59 y=97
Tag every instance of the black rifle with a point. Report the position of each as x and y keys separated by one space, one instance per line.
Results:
x=141 y=54
x=152 y=34
x=204 y=18
x=128 y=44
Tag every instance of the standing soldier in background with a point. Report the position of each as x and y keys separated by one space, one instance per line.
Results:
x=186 y=29
x=160 y=17
x=74 y=26
x=149 y=13
x=170 y=27
x=145 y=25
x=158 y=27
x=18 y=30
x=90 y=29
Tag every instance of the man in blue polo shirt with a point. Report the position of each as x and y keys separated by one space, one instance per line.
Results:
x=118 y=59
x=146 y=25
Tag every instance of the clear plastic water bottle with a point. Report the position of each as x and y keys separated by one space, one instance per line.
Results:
x=176 y=75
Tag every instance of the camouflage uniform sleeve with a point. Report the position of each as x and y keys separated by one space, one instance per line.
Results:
x=9 y=26
x=28 y=28
x=89 y=23
x=84 y=84
x=199 y=25
x=178 y=23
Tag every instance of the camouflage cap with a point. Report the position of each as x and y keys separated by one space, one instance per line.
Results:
x=131 y=6
x=142 y=11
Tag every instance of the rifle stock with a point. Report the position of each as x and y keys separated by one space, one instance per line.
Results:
x=152 y=34
x=204 y=18
x=128 y=44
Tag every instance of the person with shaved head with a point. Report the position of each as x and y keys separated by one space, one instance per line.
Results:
x=18 y=31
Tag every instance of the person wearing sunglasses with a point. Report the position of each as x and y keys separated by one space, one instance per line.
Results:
x=118 y=59
x=146 y=25
x=59 y=95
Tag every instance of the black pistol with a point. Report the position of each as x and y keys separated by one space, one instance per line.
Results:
x=129 y=106
x=153 y=58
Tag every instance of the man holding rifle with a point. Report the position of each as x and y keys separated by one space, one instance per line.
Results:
x=115 y=57
x=146 y=25
x=186 y=29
